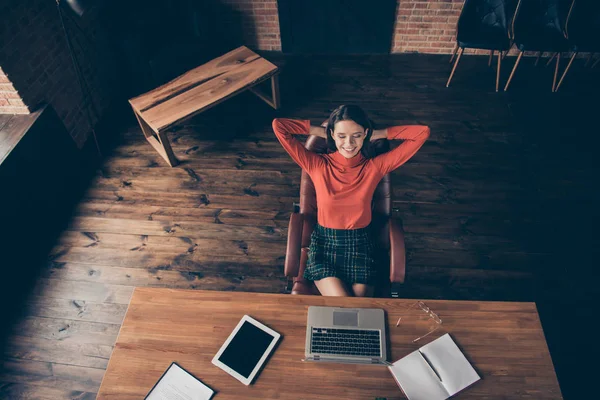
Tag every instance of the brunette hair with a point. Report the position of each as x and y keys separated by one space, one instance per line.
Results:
x=351 y=113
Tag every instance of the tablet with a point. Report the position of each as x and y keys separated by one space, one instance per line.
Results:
x=246 y=349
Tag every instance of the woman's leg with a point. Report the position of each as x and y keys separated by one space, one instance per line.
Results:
x=362 y=290
x=332 y=287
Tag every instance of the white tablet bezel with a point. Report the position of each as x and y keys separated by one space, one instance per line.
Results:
x=261 y=361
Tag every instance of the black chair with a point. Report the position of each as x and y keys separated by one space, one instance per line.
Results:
x=583 y=31
x=539 y=26
x=484 y=24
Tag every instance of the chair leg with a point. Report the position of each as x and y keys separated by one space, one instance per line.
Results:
x=498 y=71
x=513 y=71
x=590 y=56
x=454 y=67
x=556 y=72
x=596 y=63
x=566 y=70
x=551 y=58
x=490 y=58
x=537 y=60
x=453 y=53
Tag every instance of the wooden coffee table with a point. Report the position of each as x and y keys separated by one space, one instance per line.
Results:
x=200 y=89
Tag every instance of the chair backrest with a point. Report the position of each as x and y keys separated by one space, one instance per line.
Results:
x=583 y=25
x=547 y=17
x=487 y=15
x=382 y=198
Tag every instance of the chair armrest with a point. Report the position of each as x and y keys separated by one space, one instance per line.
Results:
x=397 y=252
x=292 y=255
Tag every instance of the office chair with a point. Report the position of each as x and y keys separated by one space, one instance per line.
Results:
x=388 y=232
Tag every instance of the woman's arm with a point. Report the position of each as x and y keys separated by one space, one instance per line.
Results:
x=379 y=134
x=284 y=129
x=414 y=137
x=318 y=131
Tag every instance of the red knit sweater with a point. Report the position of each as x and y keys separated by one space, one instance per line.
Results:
x=345 y=186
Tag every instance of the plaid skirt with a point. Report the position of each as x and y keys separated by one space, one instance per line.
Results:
x=347 y=254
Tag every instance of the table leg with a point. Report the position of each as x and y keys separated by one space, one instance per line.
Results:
x=274 y=100
x=158 y=140
x=275 y=91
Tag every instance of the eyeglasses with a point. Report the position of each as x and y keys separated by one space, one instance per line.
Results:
x=429 y=312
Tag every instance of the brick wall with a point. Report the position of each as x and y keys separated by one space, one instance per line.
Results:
x=10 y=99
x=36 y=67
x=261 y=23
x=426 y=26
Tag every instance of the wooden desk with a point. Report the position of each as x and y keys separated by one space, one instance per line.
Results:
x=200 y=89
x=504 y=341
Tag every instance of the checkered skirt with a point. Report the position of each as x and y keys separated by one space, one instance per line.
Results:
x=347 y=254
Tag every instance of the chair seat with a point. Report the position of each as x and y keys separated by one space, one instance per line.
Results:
x=590 y=41
x=483 y=39
x=550 y=40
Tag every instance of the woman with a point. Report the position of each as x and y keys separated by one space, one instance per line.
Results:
x=341 y=253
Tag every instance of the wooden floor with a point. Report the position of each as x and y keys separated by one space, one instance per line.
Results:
x=477 y=202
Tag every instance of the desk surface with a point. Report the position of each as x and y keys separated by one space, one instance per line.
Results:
x=504 y=342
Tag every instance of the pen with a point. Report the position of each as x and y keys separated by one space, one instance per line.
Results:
x=430 y=365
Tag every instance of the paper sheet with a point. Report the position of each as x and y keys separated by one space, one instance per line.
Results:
x=455 y=370
x=177 y=384
x=416 y=379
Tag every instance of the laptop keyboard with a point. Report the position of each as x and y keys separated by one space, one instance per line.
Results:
x=352 y=342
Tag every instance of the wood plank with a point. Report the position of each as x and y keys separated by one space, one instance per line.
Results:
x=49 y=350
x=191 y=200
x=208 y=94
x=461 y=283
x=168 y=244
x=195 y=261
x=229 y=278
x=68 y=331
x=176 y=228
x=50 y=375
x=75 y=309
x=29 y=391
x=158 y=213
x=251 y=188
x=189 y=174
x=191 y=78
x=94 y=292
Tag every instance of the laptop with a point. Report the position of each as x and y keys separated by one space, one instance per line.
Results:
x=346 y=335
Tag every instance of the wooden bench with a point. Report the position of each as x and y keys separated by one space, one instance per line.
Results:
x=200 y=89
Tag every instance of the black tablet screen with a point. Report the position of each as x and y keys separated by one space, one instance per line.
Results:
x=245 y=349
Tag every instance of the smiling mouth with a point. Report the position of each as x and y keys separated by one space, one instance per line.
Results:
x=350 y=150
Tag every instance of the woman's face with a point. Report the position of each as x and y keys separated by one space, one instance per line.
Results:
x=349 y=137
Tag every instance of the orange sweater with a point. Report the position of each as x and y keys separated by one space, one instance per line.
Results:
x=345 y=186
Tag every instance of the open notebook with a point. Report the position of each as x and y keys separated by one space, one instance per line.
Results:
x=436 y=371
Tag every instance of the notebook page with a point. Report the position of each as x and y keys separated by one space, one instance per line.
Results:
x=416 y=378
x=447 y=359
